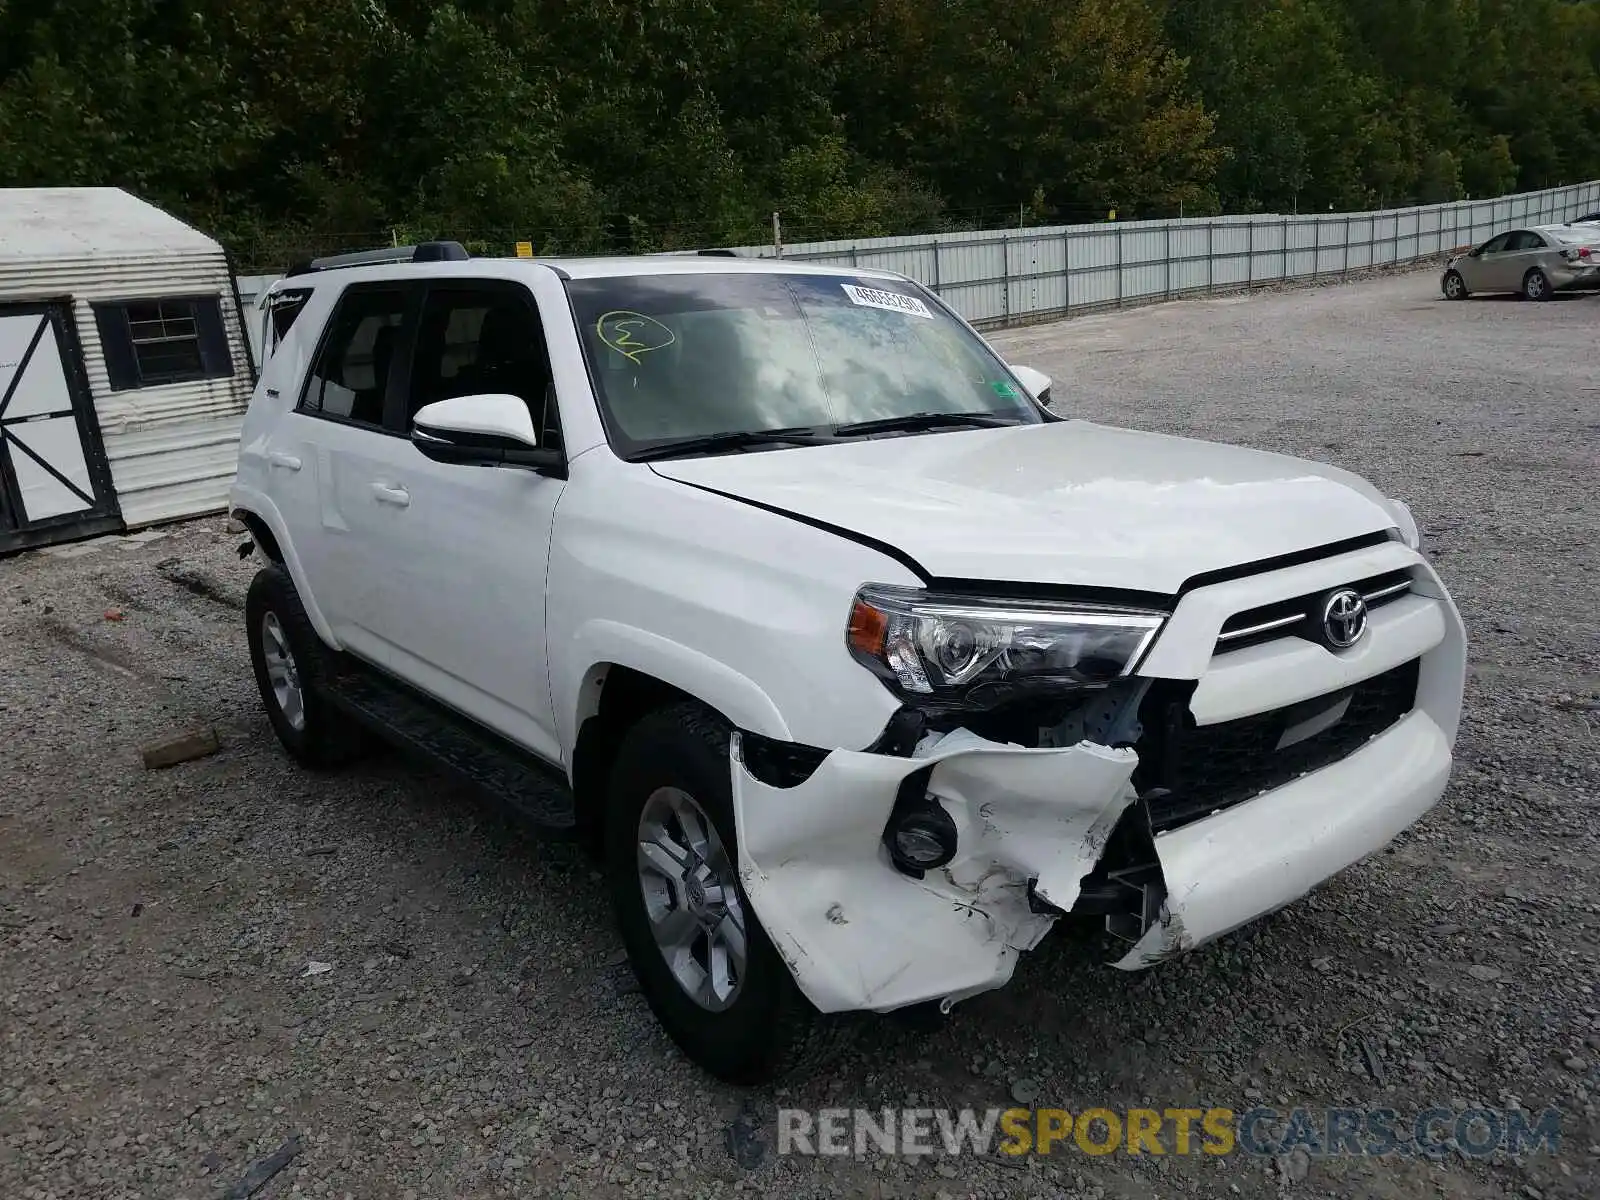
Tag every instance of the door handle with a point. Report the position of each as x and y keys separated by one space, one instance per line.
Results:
x=279 y=459
x=397 y=496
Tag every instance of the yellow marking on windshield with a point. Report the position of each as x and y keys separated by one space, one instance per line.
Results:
x=631 y=334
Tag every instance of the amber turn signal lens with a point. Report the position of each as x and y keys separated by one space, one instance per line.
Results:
x=867 y=630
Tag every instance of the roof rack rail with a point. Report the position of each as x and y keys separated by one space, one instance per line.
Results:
x=421 y=252
x=694 y=254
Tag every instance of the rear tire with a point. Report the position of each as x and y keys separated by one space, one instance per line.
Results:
x=292 y=665
x=671 y=772
x=1536 y=286
x=1455 y=287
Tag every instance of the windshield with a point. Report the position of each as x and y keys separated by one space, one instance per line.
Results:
x=687 y=356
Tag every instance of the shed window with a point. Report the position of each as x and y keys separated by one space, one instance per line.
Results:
x=166 y=342
x=163 y=340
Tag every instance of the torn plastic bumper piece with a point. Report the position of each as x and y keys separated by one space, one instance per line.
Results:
x=1032 y=824
x=860 y=935
x=1235 y=866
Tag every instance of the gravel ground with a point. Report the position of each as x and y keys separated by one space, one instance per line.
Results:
x=476 y=1034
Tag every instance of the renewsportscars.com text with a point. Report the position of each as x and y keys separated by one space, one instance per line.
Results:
x=1330 y=1132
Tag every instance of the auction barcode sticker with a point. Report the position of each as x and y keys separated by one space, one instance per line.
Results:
x=889 y=301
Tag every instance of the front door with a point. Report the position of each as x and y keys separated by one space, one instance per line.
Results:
x=1491 y=269
x=54 y=482
x=459 y=552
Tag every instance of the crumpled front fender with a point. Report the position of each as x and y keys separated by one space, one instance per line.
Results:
x=857 y=933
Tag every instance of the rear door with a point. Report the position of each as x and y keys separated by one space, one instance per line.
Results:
x=330 y=451
x=54 y=481
x=1525 y=251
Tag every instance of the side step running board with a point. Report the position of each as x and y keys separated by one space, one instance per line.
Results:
x=421 y=727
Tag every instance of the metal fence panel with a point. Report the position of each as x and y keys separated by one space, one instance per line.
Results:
x=1230 y=254
x=1009 y=275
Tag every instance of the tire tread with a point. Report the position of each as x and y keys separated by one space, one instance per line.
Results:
x=329 y=739
x=801 y=1038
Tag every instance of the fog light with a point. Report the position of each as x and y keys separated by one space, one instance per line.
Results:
x=920 y=836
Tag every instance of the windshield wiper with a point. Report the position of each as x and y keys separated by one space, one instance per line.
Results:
x=915 y=422
x=732 y=440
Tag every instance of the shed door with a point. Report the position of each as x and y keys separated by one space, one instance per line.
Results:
x=54 y=483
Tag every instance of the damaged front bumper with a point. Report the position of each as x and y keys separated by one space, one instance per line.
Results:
x=1062 y=828
x=856 y=932
x=1032 y=823
x=1254 y=858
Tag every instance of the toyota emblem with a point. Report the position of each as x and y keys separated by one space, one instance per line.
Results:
x=1344 y=618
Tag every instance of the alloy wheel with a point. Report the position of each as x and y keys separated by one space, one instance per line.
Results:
x=282 y=672
x=691 y=898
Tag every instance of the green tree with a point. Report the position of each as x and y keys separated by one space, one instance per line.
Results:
x=993 y=100
x=614 y=124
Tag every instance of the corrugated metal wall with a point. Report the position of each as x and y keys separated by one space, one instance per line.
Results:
x=172 y=449
x=1004 y=276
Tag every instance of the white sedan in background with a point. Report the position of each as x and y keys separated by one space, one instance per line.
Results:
x=1536 y=262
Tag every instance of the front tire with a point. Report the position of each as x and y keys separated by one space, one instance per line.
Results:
x=1536 y=286
x=706 y=967
x=1455 y=287
x=292 y=665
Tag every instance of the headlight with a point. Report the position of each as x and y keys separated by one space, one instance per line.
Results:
x=945 y=647
x=1406 y=524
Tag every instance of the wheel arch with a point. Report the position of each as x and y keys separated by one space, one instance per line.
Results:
x=617 y=691
x=266 y=541
x=257 y=513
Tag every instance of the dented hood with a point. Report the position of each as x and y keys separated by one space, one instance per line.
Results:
x=1066 y=503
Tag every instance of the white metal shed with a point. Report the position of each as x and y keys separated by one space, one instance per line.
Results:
x=124 y=366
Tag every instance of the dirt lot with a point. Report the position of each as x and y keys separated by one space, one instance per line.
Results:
x=476 y=1035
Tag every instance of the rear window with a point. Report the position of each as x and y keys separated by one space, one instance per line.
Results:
x=285 y=307
x=678 y=356
x=280 y=308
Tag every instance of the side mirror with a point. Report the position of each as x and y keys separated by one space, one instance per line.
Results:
x=491 y=430
x=1037 y=383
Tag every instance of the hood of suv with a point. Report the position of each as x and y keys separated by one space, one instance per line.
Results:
x=1068 y=503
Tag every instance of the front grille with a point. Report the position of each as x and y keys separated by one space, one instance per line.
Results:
x=1187 y=771
x=1295 y=618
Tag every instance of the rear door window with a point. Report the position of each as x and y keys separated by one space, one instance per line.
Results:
x=358 y=355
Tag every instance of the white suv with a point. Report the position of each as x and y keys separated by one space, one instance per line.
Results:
x=860 y=666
